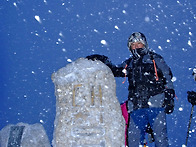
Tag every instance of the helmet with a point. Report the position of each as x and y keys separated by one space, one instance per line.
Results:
x=138 y=37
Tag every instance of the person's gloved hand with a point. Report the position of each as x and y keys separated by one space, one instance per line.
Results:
x=169 y=94
x=191 y=97
x=169 y=100
x=94 y=57
x=169 y=107
x=101 y=58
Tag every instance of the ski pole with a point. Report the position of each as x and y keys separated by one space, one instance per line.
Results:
x=187 y=136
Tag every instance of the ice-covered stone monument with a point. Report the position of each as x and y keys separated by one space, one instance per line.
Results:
x=88 y=113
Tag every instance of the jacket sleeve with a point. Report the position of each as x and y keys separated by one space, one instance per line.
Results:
x=169 y=88
x=116 y=69
x=165 y=70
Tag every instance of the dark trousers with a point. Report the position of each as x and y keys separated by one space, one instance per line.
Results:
x=138 y=122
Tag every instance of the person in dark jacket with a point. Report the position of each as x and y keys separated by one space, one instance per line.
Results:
x=151 y=91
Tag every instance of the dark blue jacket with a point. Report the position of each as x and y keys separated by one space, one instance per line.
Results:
x=148 y=78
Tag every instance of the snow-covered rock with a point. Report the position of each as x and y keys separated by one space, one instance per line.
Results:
x=24 y=135
x=87 y=110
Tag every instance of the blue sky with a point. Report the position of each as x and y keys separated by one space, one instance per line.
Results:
x=38 y=37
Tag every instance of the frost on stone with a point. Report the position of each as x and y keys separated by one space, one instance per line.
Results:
x=88 y=113
x=78 y=69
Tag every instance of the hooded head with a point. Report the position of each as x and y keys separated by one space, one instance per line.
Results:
x=138 y=37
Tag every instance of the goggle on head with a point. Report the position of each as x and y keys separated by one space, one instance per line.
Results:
x=137 y=37
x=138 y=52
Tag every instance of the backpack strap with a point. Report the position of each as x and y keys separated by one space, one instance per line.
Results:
x=155 y=68
x=125 y=69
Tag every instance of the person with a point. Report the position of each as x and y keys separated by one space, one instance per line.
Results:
x=192 y=94
x=151 y=91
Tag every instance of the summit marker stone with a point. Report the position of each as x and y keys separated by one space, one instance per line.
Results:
x=88 y=113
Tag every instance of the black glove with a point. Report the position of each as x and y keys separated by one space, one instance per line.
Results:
x=101 y=58
x=169 y=100
x=191 y=97
x=169 y=94
x=169 y=107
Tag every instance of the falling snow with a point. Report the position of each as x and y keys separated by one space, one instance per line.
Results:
x=103 y=42
x=41 y=37
x=189 y=43
x=38 y=18
x=147 y=19
x=69 y=60
x=180 y=109
x=15 y=4
x=116 y=27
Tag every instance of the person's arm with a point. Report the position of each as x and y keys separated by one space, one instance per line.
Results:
x=116 y=69
x=169 y=88
x=165 y=70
